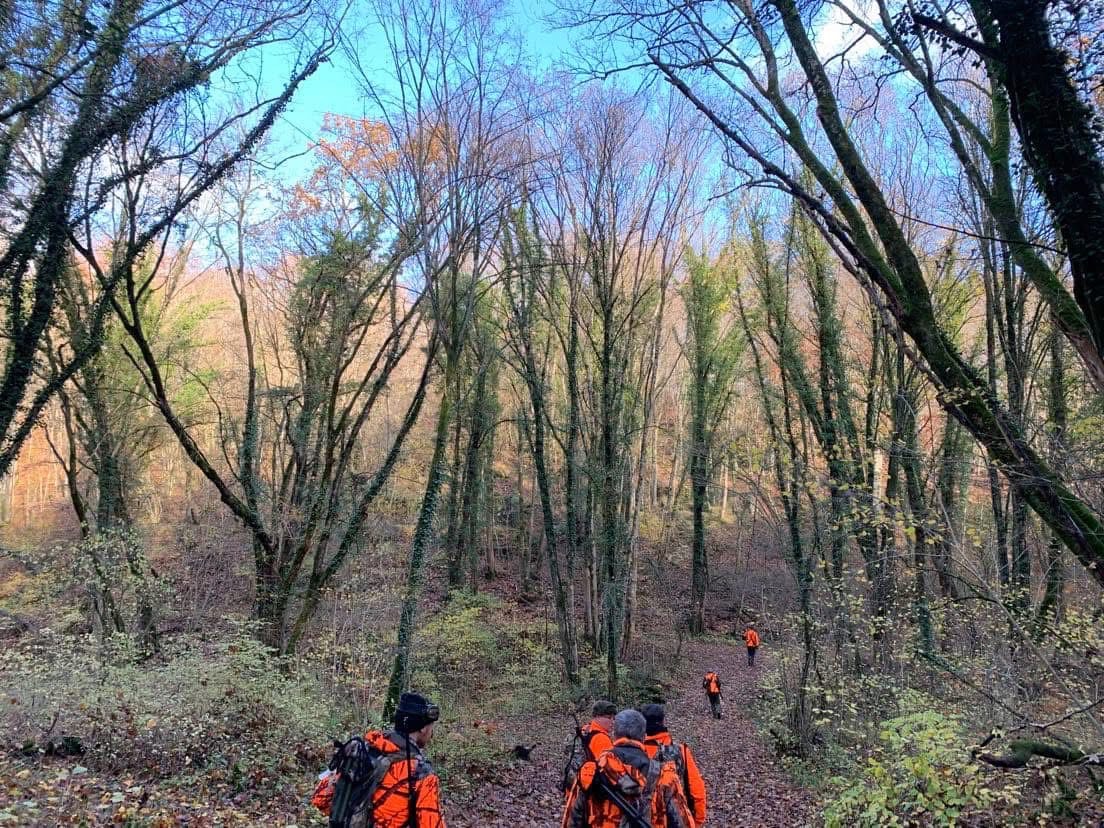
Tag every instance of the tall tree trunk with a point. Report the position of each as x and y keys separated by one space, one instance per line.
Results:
x=954 y=459
x=907 y=447
x=420 y=549
x=456 y=482
x=608 y=513
x=1059 y=137
x=565 y=611
x=699 y=564
x=1058 y=409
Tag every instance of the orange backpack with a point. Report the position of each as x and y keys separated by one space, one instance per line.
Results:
x=610 y=779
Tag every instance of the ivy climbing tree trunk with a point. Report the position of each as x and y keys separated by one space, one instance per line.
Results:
x=714 y=349
x=420 y=546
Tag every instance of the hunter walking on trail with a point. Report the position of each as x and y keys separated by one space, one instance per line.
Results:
x=625 y=788
x=751 y=639
x=383 y=780
x=590 y=741
x=712 y=686
x=660 y=746
x=595 y=736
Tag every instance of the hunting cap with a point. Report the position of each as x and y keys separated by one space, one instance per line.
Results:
x=654 y=715
x=603 y=707
x=415 y=712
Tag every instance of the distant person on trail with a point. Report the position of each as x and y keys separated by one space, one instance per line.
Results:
x=751 y=638
x=625 y=788
x=712 y=686
x=592 y=740
x=660 y=746
x=395 y=786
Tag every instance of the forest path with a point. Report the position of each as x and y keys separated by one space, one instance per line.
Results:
x=745 y=784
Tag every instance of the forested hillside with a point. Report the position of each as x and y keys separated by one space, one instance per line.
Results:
x=525 y=356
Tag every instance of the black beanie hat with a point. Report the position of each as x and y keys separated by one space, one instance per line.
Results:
x=414 y=712
x=603 y=708
x=654 y=715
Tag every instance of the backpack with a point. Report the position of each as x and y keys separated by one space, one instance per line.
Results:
x=578 y=753
x=676 y=754
x=631 y=802
x=359 y=769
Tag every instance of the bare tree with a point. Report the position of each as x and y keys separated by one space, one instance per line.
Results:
x=864 y=228
x=337 y=326
x=94 y=99
x=445 y=93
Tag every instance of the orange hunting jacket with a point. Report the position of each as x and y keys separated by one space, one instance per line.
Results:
x=712 y=683
x=392 y=798
x=587 y=807
x=692 y=783
x=596 y=739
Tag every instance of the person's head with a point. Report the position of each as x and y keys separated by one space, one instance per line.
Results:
x=414 y=717
x=629 y=724
x=603 y=712
x=655 y=718
x=751 y=625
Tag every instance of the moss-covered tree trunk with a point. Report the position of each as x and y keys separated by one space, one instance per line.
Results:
x=1059 y=133
x=699 y=479
x=898 y=274
x=420 y=548
x=1058 y=410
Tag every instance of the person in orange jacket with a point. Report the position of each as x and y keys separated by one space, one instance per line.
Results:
x=592 y=740
x=712 y=686
x=649 y=787
x=659 y=745
x=596 y=734
x=409 y=795
x=751 y=639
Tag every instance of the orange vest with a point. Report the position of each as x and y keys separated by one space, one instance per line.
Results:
x=751 y=638
x=587 y=807
x=596 y=740
x=692 y=783
x=712 y=683
x=392 y=797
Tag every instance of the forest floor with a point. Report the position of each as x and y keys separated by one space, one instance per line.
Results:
x=746 y=785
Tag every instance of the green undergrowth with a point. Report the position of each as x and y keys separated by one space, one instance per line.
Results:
x=918 y=772
x=485 y=664
x=638 y=684
x=216 y=717
x=884 y=754
x=221 y=709
x=92 y=731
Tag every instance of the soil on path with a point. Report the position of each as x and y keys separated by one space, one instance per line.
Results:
x=745 y=784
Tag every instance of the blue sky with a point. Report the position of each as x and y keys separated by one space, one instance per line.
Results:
x=334 y=89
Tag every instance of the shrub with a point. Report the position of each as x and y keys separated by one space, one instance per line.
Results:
x=474 y=650
x=224 y=711
x=482 y=664
x=917 y=774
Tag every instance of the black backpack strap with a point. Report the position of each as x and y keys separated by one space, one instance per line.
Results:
x=383 y=765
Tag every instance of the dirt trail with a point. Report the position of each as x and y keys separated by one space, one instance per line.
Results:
x=745 y=784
